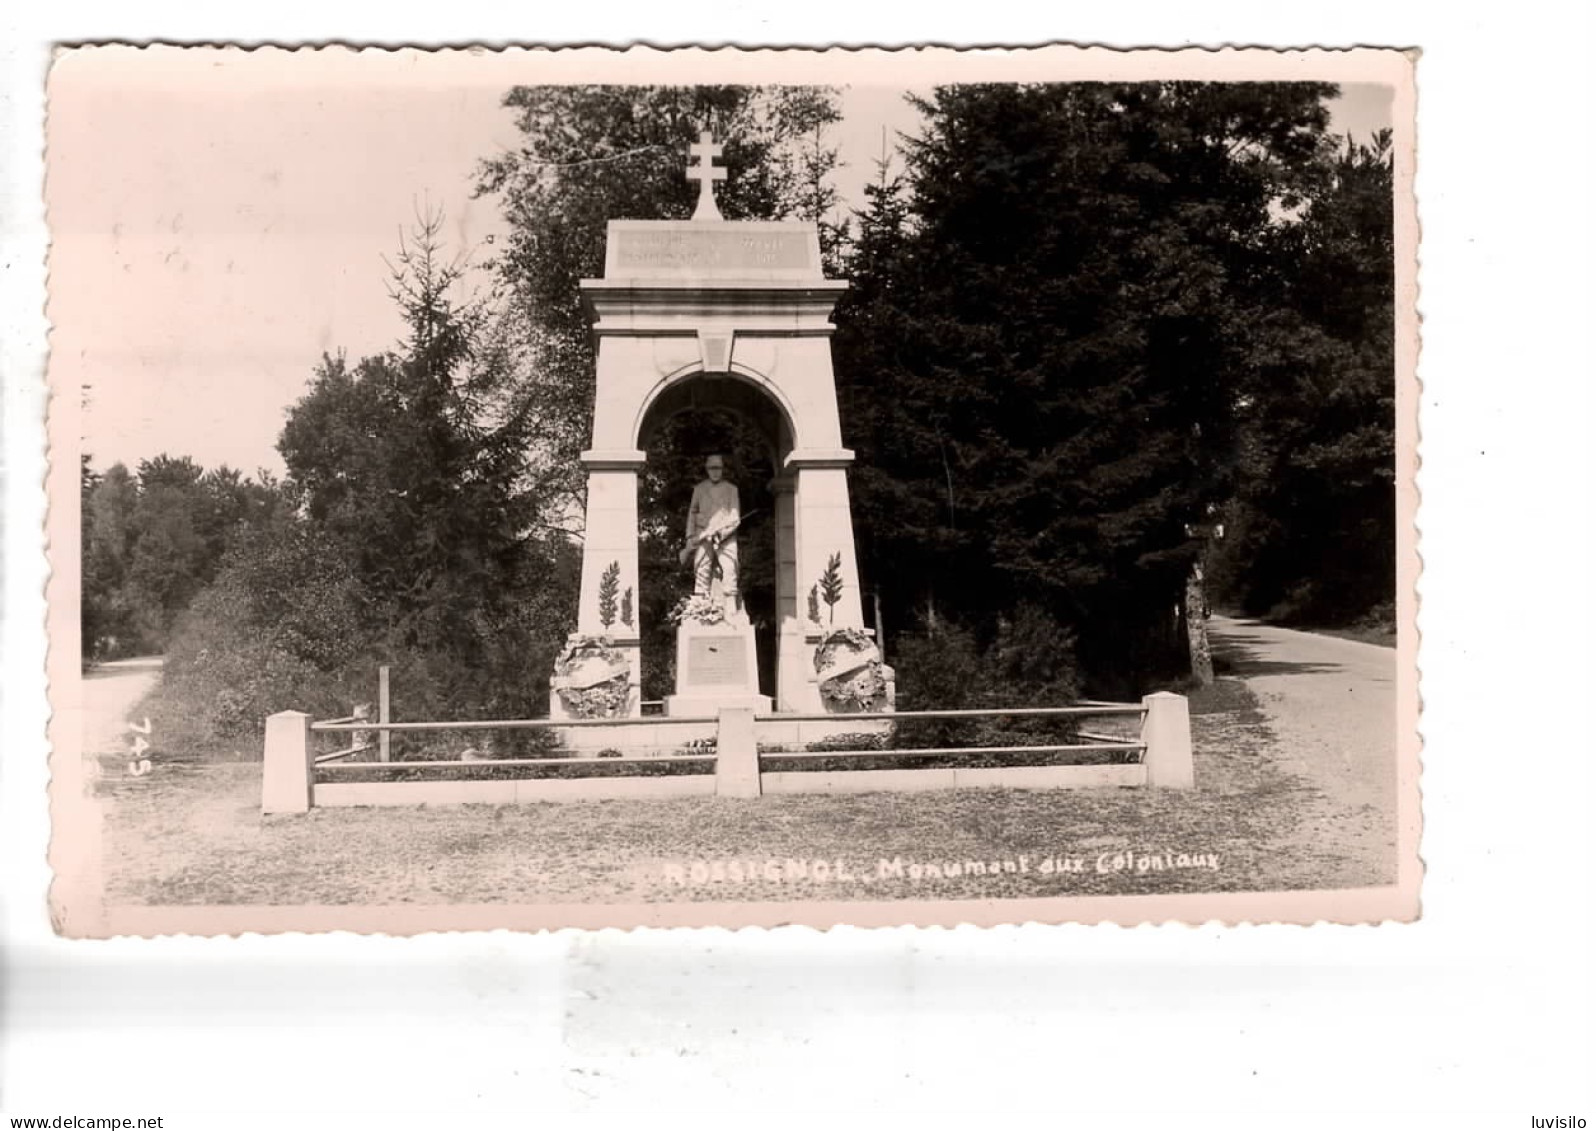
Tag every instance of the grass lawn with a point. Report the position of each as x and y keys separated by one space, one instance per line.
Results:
x=193 y=834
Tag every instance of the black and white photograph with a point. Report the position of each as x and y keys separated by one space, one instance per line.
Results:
x=596 y=488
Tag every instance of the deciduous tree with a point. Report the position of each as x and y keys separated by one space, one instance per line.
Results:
x=1311 y=531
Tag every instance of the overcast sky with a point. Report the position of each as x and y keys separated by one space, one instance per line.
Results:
x=217 y=224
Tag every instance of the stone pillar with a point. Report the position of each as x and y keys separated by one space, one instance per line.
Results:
x=610 y=535
x=288 y=766
x=1166 y=729
x=791 y=603
x=610 y=538
x=825 y=528
x=736 y=754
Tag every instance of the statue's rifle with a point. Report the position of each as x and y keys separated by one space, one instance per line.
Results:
x=713 y=534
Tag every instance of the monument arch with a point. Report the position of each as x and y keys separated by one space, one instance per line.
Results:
x=733 y=315
x=741 y=390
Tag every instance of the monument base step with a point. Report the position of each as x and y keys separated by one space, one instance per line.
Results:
x=635 y=741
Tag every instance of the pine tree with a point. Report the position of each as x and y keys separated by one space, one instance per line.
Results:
x=411 y=467
x=1051 y=345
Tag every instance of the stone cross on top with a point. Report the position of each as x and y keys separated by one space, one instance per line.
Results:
x=706 y=174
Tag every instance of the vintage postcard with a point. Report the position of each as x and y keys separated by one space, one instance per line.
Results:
x=577 y=488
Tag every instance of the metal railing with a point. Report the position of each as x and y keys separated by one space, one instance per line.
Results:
x=332 y=726
x=357 y=747
x=1096 y=743
x=339 y=726
x=354 y=724
x=363 y=723
x=958 y=713
x=1160 y=754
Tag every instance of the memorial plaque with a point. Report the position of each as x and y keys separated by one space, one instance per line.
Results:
x=730 y=250
x=717 y=661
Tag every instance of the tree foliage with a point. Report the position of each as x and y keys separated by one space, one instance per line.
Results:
x=1065 y=313
x=1311 y=528
x=412 y=470
x=153 y=539
x=284 y=624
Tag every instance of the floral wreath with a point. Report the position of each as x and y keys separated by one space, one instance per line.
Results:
x=699 y=609
x=605 y=699
x=862 y=688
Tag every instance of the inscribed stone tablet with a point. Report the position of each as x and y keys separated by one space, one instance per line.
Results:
x=717 y=661
x=675 y=249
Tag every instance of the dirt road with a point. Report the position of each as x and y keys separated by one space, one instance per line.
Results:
x=110 y=692
x=1332 y=704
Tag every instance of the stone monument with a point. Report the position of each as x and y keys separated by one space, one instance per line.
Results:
x=734 y=315
x=716 y=663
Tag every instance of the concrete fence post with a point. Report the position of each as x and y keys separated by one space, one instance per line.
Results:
x=289 y=764
x=1166 y=729
x=736 y=754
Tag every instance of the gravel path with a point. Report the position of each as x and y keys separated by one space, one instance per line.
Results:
x=110 y=692
x=1332 y=704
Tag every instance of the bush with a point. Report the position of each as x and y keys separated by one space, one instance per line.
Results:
x=287 y=626
x=282 y=627
x=1381 y=618
x=1029 y=662
x=852 y=740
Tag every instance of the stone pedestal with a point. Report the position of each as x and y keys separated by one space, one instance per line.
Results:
x=716 y=667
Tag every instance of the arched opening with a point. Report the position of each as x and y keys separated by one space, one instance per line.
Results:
x=690 y=418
